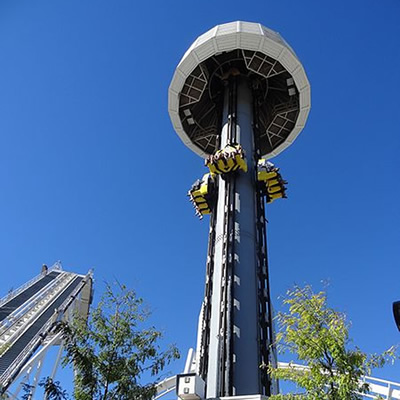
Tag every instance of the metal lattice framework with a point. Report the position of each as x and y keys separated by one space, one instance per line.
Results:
x=263 y=56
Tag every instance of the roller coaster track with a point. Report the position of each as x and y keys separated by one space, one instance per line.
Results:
x=29 y=314
x=387 y=390
x=377 y=387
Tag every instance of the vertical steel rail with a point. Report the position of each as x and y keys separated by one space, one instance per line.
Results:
x=205 y=334
x=266 y=334
x=246 y=371
x=215 y=376
x=228 y=258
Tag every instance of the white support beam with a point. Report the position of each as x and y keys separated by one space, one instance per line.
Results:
x=39 y=354
x=36 y=378
x=165 y=386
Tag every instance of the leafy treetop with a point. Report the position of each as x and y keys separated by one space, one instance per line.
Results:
x=319 y=337
x=112 y=353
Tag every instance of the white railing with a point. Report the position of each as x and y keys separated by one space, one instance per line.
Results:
x=14 y=293
x=30 y=303
x=18 y=326
x=377 y=387
x=164 y=387
x=380 y=387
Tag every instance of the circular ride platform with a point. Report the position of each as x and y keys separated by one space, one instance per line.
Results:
x=280 y=87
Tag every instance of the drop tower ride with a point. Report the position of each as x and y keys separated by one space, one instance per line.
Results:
x=238 y=97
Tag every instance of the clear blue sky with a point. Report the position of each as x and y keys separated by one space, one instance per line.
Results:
x=92 y=173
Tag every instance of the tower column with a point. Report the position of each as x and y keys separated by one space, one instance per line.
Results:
x=233 y=364
x=246 y=370
x=238 y=92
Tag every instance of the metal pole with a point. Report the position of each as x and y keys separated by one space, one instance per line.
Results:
x=245 y=329
x=213 y=371
x=233 y=353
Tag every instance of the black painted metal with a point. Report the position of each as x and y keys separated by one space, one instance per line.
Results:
x=266 y=334
x=7 y=308
x=226 y=384
x=205 y=333
x=396 y=313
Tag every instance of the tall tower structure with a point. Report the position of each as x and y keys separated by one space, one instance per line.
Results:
x=239 y=96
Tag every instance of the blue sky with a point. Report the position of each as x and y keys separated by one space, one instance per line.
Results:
x=92 y=173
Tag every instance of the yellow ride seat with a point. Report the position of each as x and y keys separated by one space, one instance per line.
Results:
x=241 y=162
x=200 y=195
x=265 y=175
x=272 y=182
x=196 y=193
x=200 y=200
x=272 y=197
x=225 y=165
x=274 y=189
x=226 y=160
x=212 y=168
x=200 y=192
x=202 y=206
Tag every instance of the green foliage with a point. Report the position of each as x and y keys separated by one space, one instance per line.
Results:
x=319 y=337
x=53 y=390
x=27 y=391
x=112 y=351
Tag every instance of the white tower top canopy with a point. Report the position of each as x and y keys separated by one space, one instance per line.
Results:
x=281 y=87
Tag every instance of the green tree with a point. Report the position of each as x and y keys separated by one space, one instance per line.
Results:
x=319 y=337
x=114 y=351
x=53 y=390
x=27 y=391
